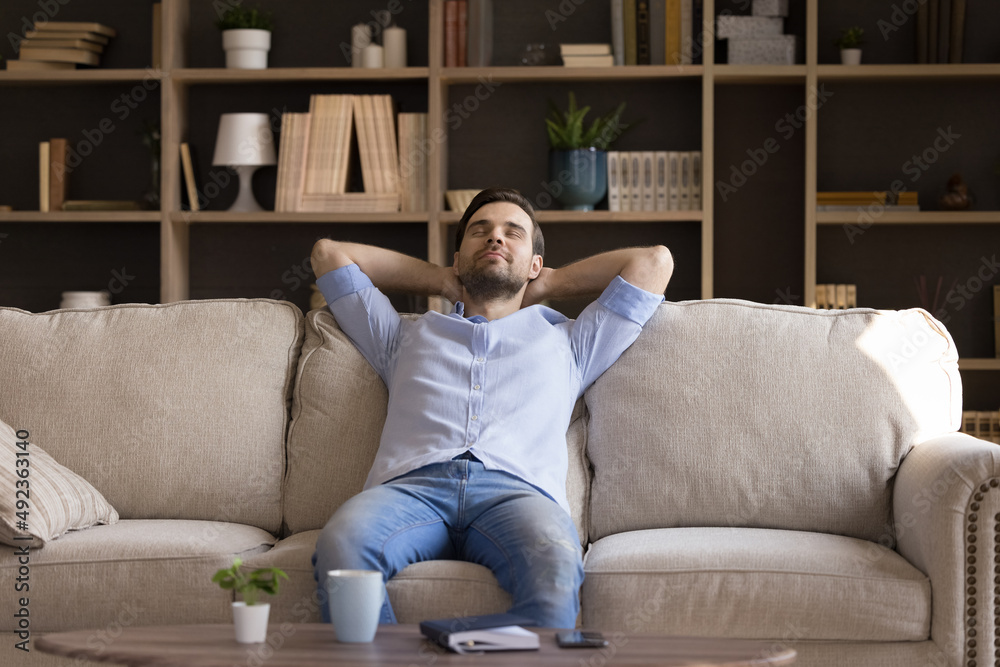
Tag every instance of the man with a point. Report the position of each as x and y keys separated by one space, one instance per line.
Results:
x=472 y=461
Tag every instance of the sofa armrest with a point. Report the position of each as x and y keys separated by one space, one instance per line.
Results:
x=946 y=513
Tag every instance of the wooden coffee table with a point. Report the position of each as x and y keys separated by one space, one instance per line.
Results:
x=304 y=645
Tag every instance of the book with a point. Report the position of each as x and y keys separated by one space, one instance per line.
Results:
x=658 y=32
x=821 y=301
x=463 y=32
x=385 y=117
x=472 y=634
x=852 y=296
x=922 y=24
x=350 y=202
x=932 y=31
x=957 y=36
x=628 y=12
x=635 y=174
x=364 y=121
x=662 y=176
x=614 y=191
x=33 y=65
x=451 y=33
x=624 y=181
x=618 y=31
x=190 y=187
x=589 y=61
x=685 y=181
x=673 y=30
x=43 y=176
x=642 y=32
x=674 y=182
x=78 y=26
x=62 y=44
x=413 y=161
x=58 y=174
x=78 y=56
x=480 y=33
x=695 y=180
x=686 y=32
x=330 y=126
x=648 y=162
x=585 y=50
x=944 y=30
x=157 y=55
x=43 y=33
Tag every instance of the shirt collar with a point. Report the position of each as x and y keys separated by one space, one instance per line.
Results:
x=459 y=310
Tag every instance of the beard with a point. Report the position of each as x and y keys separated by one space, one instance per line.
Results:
x=490 y=283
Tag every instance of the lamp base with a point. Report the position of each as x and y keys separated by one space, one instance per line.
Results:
x=245 y=201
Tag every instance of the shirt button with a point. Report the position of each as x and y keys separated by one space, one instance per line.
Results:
x=475 y=417
x=480 y=358
x=476 y=387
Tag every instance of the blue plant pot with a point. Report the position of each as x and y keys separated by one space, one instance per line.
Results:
x=578 y=179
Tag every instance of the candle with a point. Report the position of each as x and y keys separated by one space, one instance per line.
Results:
x=373 y=57
x=395 y=47
x=361 y=36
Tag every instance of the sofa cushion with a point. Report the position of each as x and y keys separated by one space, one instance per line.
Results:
x=338 y=410
x=731 y=413
x=172 y=411
x=136 y=572
x=55 y=499
x=754 y=583
x=432 y=589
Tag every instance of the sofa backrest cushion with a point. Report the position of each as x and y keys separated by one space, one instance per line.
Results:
x=731 y=413
x=172 y=411
x=338 y=411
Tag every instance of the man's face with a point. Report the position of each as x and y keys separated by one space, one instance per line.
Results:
x=496 y=258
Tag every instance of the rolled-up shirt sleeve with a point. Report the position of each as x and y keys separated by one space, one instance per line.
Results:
x=364 y=314
x=608 y=326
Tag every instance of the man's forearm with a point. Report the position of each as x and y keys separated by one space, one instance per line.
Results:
x=388 y=270
x=648 y=268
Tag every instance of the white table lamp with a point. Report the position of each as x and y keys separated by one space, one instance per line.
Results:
x=244 y=143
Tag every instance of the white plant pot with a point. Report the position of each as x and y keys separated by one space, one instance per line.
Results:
x=850 y=56
x=250 y=622
x=246 y=49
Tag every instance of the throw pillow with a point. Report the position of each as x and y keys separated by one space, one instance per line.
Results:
x=54 y=497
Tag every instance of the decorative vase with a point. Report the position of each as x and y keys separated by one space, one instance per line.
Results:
x=246 y=48
x=850 y=56
x=578 y=178
x=250 y=622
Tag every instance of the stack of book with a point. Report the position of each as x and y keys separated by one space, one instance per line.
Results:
x=657 y=32
x=853 y=200
x=586 y=55
x=983 y=425
x=315 y=153
x=62 y=45
x=654 y=180
x=413 y=155
x=831 y=296
x=468 y=33
x=758 y=39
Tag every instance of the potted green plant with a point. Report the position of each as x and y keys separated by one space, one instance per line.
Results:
x=849 y=43
x=246 y=37
x=249 y=617
x=578 y=168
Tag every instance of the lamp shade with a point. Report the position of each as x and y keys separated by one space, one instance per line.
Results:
x=244 y=139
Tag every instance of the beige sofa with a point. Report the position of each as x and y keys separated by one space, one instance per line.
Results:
x=743 y=470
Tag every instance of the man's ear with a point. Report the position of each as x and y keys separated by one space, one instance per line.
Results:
x=536 y=267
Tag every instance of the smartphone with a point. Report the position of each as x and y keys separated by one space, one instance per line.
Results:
x=580 y=639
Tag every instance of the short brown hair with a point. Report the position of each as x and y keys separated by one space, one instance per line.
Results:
x=490 y=195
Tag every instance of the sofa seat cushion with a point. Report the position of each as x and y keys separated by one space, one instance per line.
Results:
x=133 y=573
x=755 y=584
x=431 y=589
x=732 y=413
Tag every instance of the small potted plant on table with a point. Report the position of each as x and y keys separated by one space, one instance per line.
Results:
x=249 y=617
x=246 y=37
x=850 y=42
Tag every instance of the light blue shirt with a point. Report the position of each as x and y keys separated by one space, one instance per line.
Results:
x=502 y=389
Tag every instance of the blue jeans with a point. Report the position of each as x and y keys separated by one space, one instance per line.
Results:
x=458 y=510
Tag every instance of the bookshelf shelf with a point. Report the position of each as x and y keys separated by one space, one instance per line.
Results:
x=599 y=217
x=80 y=216
x=910 y=218
x=273 y=217
x=983 y=364
x=760 y=74
x=460 y=75
x=78 y=77
x=287 y=74
x=942 y=72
